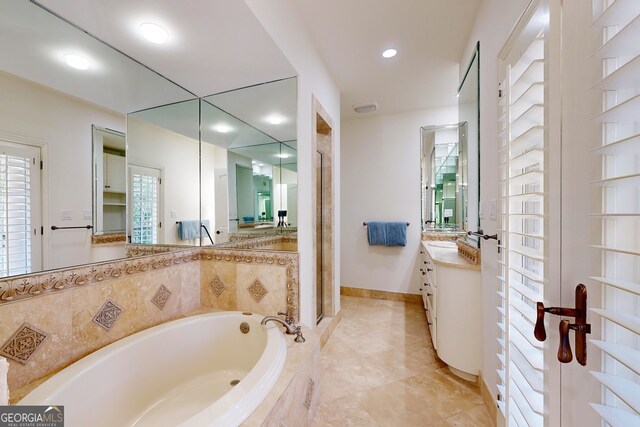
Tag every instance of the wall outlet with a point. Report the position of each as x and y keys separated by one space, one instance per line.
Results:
x=86 y=214
x=65 y=214
x=493 y=209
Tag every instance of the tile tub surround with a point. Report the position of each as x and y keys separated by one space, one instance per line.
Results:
x=286 y=242
x=442 y=236
x=64 y=305
x=390 y=375
x=250 y=280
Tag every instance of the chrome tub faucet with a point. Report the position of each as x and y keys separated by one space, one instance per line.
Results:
x=288 y=323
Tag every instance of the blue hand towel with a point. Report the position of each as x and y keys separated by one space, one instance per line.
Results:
x=189 y=229
x=396 y=234
x=387 y=233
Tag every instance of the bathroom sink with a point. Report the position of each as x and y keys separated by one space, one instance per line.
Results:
x=449 y=245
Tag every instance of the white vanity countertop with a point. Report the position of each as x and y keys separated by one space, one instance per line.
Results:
x=447 y=256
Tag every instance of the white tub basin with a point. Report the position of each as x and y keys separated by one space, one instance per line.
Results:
x=175 y=374
x=443 y=244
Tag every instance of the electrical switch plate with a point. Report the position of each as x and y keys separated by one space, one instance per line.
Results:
x=493 y=210
x=174 y=214
x=481 y=209
x=66 y=214
x=86 y=214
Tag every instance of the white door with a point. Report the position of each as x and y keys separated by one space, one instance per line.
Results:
x=570 y=213
x=20 y=209
x=221 y=233
x=145 y=193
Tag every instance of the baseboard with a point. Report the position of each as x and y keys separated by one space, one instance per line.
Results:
x=386 y=295
x=487 y=398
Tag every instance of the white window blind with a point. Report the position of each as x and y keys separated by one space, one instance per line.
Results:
x=521 y=220
x=616 y=26
x=145 y=196
x=19 y=209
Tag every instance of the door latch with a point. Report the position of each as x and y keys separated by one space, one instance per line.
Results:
x=581 y=327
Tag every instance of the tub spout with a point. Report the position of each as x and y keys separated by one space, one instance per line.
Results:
x=290 y=327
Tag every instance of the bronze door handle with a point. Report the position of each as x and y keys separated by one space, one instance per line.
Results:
x=581 y=327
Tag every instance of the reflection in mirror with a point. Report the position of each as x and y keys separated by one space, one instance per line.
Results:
x=257 y=127
x=469 y=114
x=109 y=182
x=49 y=108
x=441 y=178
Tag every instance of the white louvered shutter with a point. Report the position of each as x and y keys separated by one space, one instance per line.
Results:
x=616 y=25
x=522 y=213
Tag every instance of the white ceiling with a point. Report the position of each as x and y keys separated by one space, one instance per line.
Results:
x=214 y=45
x=430 y=37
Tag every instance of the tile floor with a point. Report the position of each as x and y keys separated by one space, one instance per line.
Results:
x=379 y=369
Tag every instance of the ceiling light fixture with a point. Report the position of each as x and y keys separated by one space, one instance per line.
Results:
x=283 y=155
x=77 y=62
x=260 y=164
x=275 y=120
x=366 y=107
x=154 y=32
x=222 y=128
x=389 y=53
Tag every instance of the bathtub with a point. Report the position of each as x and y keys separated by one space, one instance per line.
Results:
x=176 y=374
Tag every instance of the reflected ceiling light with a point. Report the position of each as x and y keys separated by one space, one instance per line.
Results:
x=458 y=95
x=154 y=32
x=77 y=62
x=283 y=155
x=389 y=53
x=222 y=128
x=253 y=162
x=260 y=164
x=275 y=120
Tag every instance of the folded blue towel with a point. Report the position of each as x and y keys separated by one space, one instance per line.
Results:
x=387 y=233
x=189 y=229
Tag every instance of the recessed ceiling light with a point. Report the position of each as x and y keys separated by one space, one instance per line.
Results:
x=389 y=53
x=253 y=162
x=283 y=155
x=260 y=164
x=154 y=32
x=222 y=128
x=275 y=120
x=77 y=62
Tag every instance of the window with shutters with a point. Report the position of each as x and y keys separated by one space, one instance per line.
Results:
x=616 y=59
x=145 y=205
x=19 y=209
x=522 y=213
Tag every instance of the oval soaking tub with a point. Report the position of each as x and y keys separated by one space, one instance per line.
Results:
x=180 y=373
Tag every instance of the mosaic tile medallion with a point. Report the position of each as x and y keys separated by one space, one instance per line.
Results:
x=161 y=297
x=108 y=314
x=309 y=394
x=217 y=286
x=257 y=290
x=23 y=343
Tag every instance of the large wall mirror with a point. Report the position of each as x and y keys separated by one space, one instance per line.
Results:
x=450 y=163
x=98 y=148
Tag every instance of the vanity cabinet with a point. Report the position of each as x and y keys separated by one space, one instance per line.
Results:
x=114 y=178
x=452 y=298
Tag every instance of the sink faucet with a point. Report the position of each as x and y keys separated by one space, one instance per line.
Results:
x=290 y=326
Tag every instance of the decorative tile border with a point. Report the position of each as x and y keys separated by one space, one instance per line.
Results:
x=432 y=235
x=23 y=343
x=309 y=393
x=257 y=242
x=108 y=315
x=468 y=252
x=285 y=259
x=161 y=297
x=217 y=286
x=235 y=237
x=106 y=239
x=17 y=288
x=133 y=250
x=257 y=290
